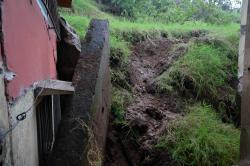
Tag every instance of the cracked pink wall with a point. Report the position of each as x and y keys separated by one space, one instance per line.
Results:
x=30 y=48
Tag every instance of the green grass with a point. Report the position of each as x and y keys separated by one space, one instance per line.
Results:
x=84 y=10
x=228 y=32
x=119 y=55
x=79 y=23
x=201 y=138
x=203 y=71
x=120 y=98
x=202 y=62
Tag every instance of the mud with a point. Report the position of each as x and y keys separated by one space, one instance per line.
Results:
x=149 y=113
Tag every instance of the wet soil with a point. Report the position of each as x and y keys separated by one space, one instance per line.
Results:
x=149 y=113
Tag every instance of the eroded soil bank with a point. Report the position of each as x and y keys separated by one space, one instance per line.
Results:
x=149 y=112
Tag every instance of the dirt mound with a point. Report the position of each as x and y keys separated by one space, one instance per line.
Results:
x=150 y=58
x=149 y=113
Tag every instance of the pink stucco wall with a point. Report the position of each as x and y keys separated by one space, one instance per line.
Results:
x=30 y=48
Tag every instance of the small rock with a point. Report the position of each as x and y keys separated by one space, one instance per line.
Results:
x=139 y=125
x=151 y=88
x=154 y=113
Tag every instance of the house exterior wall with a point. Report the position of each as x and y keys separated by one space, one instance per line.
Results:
x=28 y=49
x=29 y=45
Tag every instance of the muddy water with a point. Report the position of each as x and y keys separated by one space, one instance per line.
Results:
x=149 y=113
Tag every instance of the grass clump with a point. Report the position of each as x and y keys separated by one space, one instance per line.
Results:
x=201 y=138
x=79 y=23
x=136 y=35
x=120 y=98
x=87 y=8
x=120 y=51
x=203 y=71
x=119 y=55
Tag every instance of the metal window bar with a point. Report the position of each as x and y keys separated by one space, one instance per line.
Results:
x=48 y=119
x=45 y=129
x=51 y=6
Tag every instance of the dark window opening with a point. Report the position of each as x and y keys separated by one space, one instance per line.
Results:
x=48 y=119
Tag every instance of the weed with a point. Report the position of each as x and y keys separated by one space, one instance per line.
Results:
x=202 y=65
x=94 y=156
x=79 y=23
x=201 y=138
x=126 y=29
x=119 y=54
x=203 y=73
x=120 y=98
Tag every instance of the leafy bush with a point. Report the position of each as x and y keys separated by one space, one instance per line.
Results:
x=201 y=138
x=169 y=11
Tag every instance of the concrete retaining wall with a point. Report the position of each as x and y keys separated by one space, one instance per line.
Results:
x=82 y=135
x=244 y=86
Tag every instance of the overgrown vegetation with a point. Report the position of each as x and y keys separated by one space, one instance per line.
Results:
x=172 y=11
x=82 y=11
x=201 y=138
x=202 y=62
x=205 y=73
x=119 y=54
x=120 y=98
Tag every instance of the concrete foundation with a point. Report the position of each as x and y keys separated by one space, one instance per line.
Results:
x=24 y=136
x=20 y=145
x=5 y=156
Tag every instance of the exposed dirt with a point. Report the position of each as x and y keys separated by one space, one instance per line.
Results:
x=149 y=113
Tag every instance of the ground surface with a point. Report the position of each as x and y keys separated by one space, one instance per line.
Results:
x=149 y=112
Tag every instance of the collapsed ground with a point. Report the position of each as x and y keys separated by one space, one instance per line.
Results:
x=174 y=90
x=157 y=96
x=148 y=114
